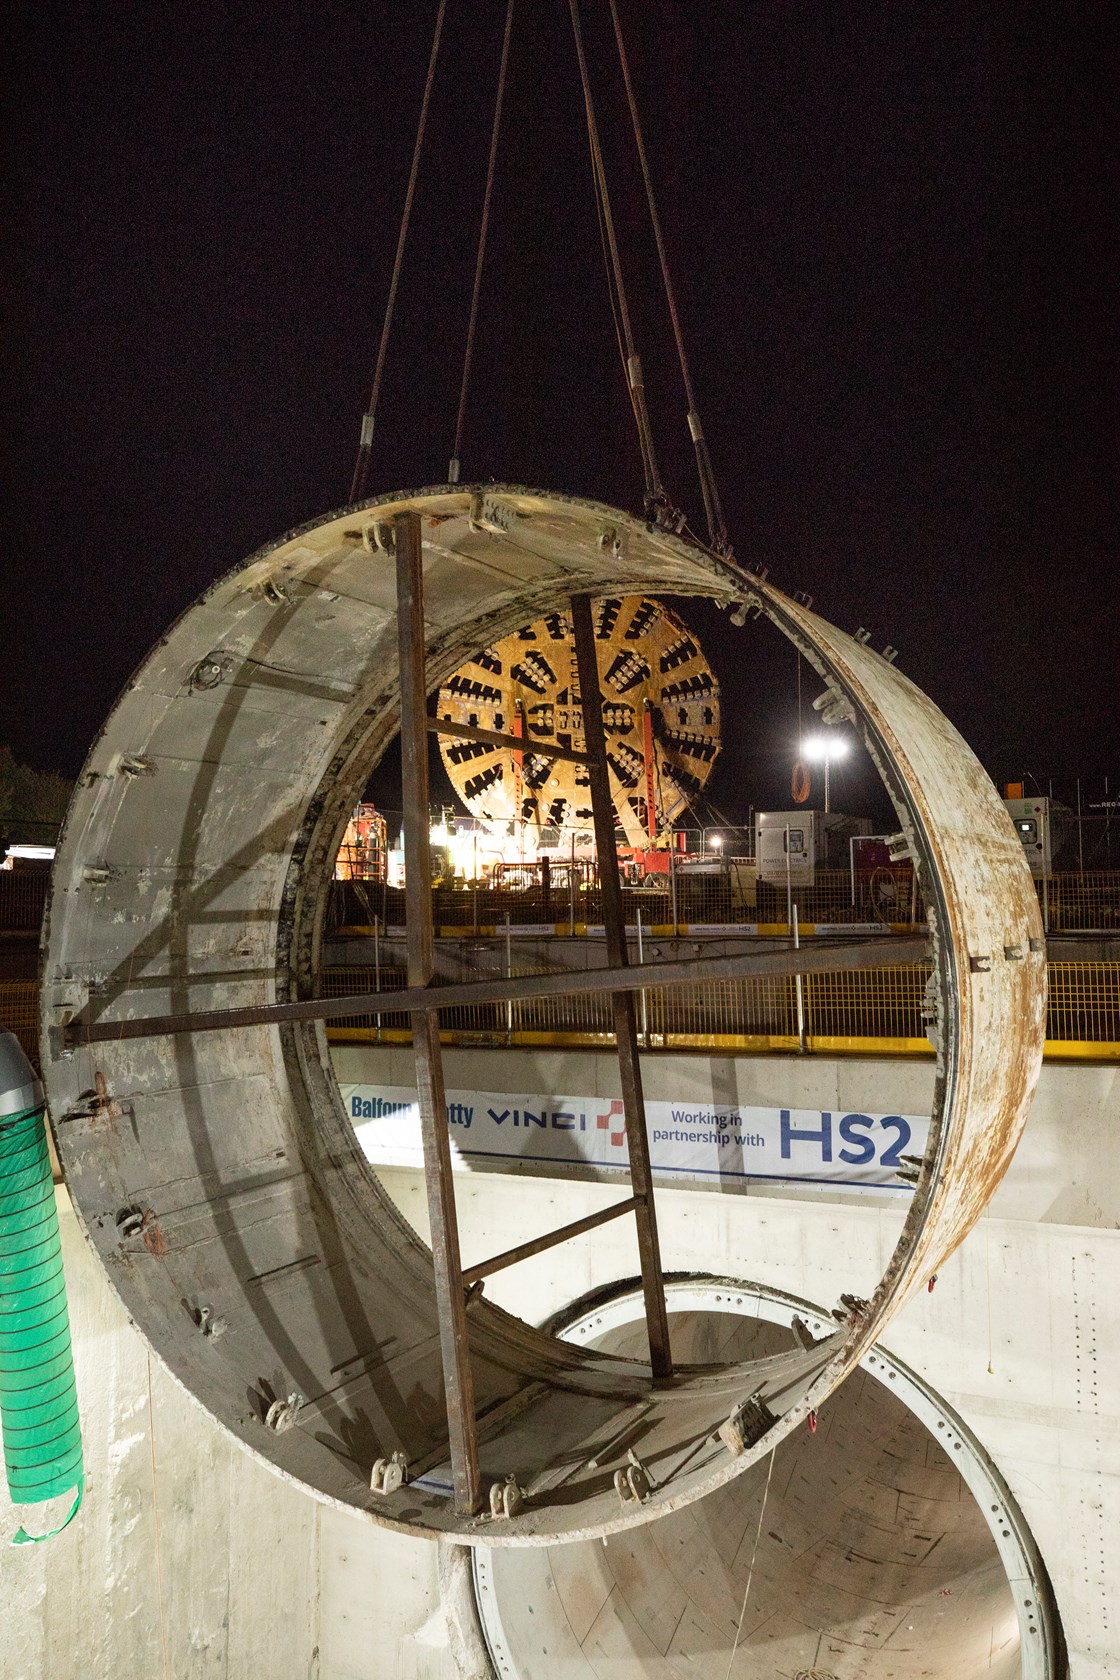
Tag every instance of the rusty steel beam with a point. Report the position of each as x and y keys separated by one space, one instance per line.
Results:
x=551 y=1239
x=458 y=1384
x=822 y=957
x=516 y=743
x=622 y=1002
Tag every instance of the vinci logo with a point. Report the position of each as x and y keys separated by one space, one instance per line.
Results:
x=603 y=1122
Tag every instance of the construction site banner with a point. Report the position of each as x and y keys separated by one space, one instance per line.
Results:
x=691 y=1140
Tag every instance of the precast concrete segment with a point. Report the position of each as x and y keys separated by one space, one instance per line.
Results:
x=218 y=1176
x=888 y=1545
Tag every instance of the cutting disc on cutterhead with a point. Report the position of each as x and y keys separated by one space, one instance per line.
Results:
x=658 y=691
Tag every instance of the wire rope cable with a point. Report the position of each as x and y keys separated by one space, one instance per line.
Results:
x=717 y=529
x=618 y=334
x=361 y=464
x=657 y=502
x=480 y=257
x=750 y=1571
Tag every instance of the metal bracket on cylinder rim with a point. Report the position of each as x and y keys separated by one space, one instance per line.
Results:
x=803 y=1335
x=834 y=708
x=633 y=1483
x=388 y=1474
x=747 y=1424
x=506 y=1498
x=281 y=1414
x=853 y=1309
x=380 y=537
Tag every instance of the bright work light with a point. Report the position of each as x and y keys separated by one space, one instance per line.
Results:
x=821 y=749
x=825 y=749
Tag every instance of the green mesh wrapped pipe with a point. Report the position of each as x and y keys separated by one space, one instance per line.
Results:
x=38 y=1398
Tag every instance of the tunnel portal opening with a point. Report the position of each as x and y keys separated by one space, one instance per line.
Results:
x=879 y=1545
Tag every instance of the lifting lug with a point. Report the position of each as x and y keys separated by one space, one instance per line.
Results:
x=747 y=1424
x=388 y=1474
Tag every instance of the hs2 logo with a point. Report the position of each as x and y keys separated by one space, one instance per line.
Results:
x=861 y=1135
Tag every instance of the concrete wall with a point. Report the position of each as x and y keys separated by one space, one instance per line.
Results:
x=191 y=1559
x=1059 y=1175
x=1034 y=1292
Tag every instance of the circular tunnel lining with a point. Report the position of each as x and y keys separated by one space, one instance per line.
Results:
x=217 y=1174
x=883 y=1545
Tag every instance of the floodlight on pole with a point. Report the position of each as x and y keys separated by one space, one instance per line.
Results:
x=824 y=749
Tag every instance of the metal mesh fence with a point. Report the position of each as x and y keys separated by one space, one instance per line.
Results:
x=1084 y=1005
x=713 y=895
x=1081 y=903
x=871 y=1009
x=23 y=895
x=868 y=1009
x=874 y=895
x=885 y=1003
x=19 y=1014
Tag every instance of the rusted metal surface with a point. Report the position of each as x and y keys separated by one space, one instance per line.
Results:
x=622 y=1002
x=824 y=956
x=538 y=1245
x=991 y=1019
x=447 y=1270
x=191 y=881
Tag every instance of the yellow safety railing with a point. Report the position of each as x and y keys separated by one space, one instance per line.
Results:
x=1084 y=1008
x=871 y=1012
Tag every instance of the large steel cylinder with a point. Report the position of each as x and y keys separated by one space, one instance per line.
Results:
x=217 y=1174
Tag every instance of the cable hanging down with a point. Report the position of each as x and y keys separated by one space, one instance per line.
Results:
x=361 y=464
x=484 y=226
x=658 y=505
x=717 y=529
x=659 y=509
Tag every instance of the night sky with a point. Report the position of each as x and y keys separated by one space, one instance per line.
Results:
x=893 y=230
